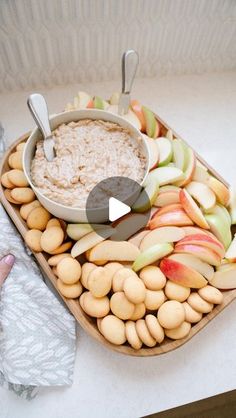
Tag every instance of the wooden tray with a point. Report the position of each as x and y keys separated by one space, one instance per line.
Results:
x=88 y=323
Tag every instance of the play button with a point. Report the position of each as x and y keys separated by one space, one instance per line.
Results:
x=110 y=202
x=117 y=209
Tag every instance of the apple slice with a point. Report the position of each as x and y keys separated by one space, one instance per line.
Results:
x=151 y=255
x=173 y=218
x=203 y=194
x=221 y=191
x=200 y=174
x=99 y=103
x=167 y=198
x=225 y=279
x=150 y=122
x=231 y=252
x=137 y=109
x=161 y=235
x=205 y=254
x=192 y=209
x=115 y=98
x=221 y=211
x=232 y=206
x=114 y=251
x=220 y=229
x=90 y=240
x=153 y=152
x=165 y=150
x=165 y=175
x=137 y=238
x=190 y=230
x=169 y=188
x=83 y=99
x=205 y=241
x=190 y=167
x=168 y=208
x=147 y=197
x=169 y=134
x=195 y=263
x=77 y=231
x=132 y=118
x=226 y=266
x=181 y=274
x=128 y=225
x=179 y=154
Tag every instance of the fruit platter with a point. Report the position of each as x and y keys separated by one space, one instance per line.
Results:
x=152 y=291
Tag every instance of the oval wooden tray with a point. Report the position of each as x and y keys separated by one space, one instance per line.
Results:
x=88 y=323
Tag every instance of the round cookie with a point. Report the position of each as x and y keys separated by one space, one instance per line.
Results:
x=211 y=294
x=132 y=336
x=32 y=239
x=71 y=291
x=191 y=315
x=55 y=259
x=113 y=267
x=155 y=328
x=154 y=299
x=180 y=332
x=113 y=329
x=152 y=277
x=28 y=207
x=15 y=160
x=144 y=334
x=53 y=222
x=51 y=238
x=17 y=177
x=38 y=218
x=199 y=304
x=171 y=314
x=99 y=282
x=69 y=270
x=96 y=307
x=62 y=248
x=6 y=182
x=134 y=289
x=20 y=146
x=121 y=306
x=8 y=196
x=139 y=312
x=85 y=272
x=119 y=278
x=23 y=194
x=177 y=292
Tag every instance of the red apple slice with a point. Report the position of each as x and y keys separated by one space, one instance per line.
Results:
x=195 y=263
x=192 y=209
x=169 y=208
x=181 y=274
x=137 y=238
x=205 y=254
x=224 y=279
x=137 y=109
x=114 y=251
x=203 y=194
x=161 y=235
x=128 y=225
x=174 y=218
x=191 y=230
x=205 y=241
x=153 y=152
x=188 y=173
x=167 y=198
x=221 y=191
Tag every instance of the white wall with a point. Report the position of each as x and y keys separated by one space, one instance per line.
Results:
x=48 y=42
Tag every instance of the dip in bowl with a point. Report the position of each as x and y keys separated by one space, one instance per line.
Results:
x=91 y=145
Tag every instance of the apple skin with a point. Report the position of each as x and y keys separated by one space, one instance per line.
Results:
x=220 y=229
x=151 y=255
x=172 y=218
x=151 y=122
x=179 y=154
x=153 y=152
x=146 y=197
x=137 y=109
x=188 y=173
x=192 y=209
x=191 y=230
x=205 y=241
x=165 y=151
x=195 y=263
x=205 y=254
x=221 y=191
x=181 y=274
x=169 y=208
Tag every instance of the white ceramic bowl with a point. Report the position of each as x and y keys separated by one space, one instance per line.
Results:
x=67 y=213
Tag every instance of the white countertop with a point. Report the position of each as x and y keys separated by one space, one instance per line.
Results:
x=201 y=109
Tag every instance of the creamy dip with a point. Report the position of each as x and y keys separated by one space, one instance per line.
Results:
x=87 y=152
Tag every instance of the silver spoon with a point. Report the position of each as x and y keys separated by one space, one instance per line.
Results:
x=130 y=61
x=39 y=110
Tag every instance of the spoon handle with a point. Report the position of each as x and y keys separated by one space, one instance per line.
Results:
x=129 y=67
x=39 y=110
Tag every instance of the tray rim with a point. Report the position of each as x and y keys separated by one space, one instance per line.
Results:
x=84 y=320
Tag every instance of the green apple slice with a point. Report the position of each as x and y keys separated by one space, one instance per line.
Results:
x=222 y=212
x=98 y=103
x=77 y=231
x=179 y=154
x=165 y=151
x=115 y=98
x=220 y=228
x=150 y=122
x=147 y=197
x=165 y=175
x=151 y=255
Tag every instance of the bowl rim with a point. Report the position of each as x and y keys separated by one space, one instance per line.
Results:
x=78 y=111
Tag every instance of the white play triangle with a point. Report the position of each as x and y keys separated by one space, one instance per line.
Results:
x=117 y=209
